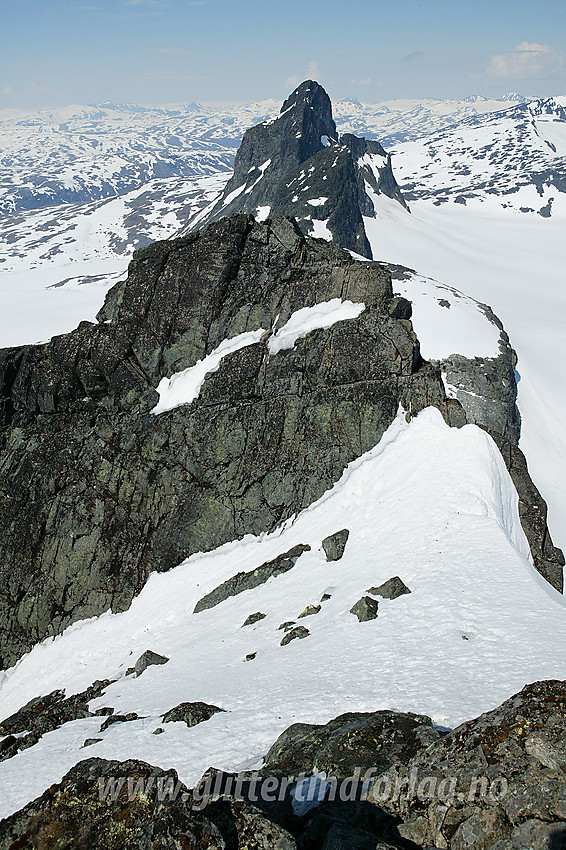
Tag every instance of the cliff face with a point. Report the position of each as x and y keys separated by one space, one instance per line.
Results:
x=97 y=491
x=296 y=165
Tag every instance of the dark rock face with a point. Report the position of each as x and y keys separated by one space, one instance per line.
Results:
x=350 y=741
x=382 y=184
x=296 y=165
x=44 y=714
x=191 y=713
x=509 y=772
x=246 y=581
x=96 y=492
x=335 y=544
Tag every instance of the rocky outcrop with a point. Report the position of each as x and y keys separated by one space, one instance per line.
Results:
x=133 y=806
x=44 y=714
x=191 y=713
x=96 y=491
x=296 y=165
x=392 y=780
x=498 y=780
x=547 y=558
x=372 y=740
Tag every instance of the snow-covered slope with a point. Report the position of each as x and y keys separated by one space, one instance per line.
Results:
x=515 y=263
x=393 y=121
x=57 y=264
x=431 y=504
x=516 y=158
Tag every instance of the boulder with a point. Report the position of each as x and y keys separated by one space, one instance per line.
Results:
x=254 y=618
x=390 y=589
x=350 y=741
x=297 y=633
x=365 y=609
x=335 y=544
x=191 y=713
x=148 y=659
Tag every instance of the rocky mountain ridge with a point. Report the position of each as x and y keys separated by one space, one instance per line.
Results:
x=77 y=427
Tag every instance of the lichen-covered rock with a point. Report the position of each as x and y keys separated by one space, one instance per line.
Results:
x=297 y=633
x=365 y=609
x=350 y=741
x=246 y=581
x=499 y=778
x=111 y=805
x=96 y=492
x=335 y=544
x=309 y=611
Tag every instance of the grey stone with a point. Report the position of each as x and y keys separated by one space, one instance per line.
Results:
x=90 y=741
x=254 y=618
x=247 y=581
x=365 y=609
x=73 y=815
x=390 y=589
x=507 y=764
x=148 y=659
x=191 y=713
x=335 y=544
x=297 y=633
x=118 y=718
x=378 y=739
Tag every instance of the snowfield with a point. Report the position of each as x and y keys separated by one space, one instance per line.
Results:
x=515 y=263
x=431 y=504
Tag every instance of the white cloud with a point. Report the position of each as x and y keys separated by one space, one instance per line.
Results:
x=527 y=60
x=312 y=73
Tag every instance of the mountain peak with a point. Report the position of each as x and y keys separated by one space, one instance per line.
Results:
x=296 y=165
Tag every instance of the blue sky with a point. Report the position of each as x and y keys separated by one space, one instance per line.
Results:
x=56 y=52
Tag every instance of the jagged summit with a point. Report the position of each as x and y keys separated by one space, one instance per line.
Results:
x=297 y=165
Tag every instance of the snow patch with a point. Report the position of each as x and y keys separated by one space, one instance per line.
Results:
x=308 y=319
x=184 y=387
